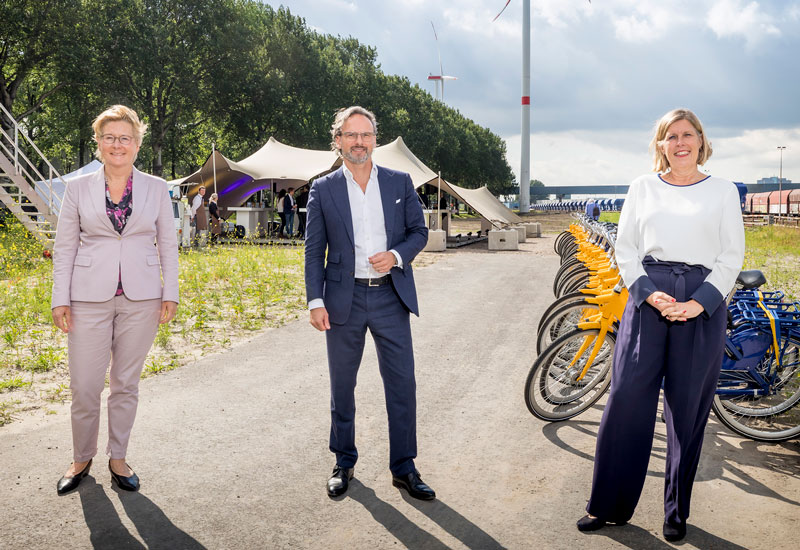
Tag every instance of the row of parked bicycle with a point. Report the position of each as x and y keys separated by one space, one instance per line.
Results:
x=759 y=385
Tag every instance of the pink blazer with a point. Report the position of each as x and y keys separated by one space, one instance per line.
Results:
x=89 y=255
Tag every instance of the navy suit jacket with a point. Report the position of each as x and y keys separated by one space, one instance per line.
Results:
x=330 y=227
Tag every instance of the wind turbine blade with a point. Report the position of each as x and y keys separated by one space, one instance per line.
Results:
x=438 y=52
x=504 y=9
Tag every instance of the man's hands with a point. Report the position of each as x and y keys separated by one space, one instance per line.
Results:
x=62 y=318
x=383 y=262
x=319 y=319
x=673 y=310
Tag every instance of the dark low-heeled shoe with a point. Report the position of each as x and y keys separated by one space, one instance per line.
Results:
x=588 y=523
x=674 y=531
x=69 y=483
x=126 y=483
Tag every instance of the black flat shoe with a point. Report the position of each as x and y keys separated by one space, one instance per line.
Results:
x=412 y=483
x=339 y=481
x=129 y=483
x=67 y=484
x=674 y=531
x=588 y=523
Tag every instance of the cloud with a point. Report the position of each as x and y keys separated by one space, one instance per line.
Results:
x=730 y=18
x=616 y=157
x=635 y=29
x=341 y=5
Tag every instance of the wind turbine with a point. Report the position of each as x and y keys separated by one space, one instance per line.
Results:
x=525 y=164
x=441 y=77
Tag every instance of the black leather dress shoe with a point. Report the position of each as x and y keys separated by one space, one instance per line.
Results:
x=674 y=531
x=67 y=484
x=126 y=483
x=412 y=483
x=339 y=481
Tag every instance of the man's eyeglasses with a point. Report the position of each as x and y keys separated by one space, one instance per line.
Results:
x=109 y=139
x=353 y=136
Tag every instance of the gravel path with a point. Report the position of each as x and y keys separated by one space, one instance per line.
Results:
x=232 y=450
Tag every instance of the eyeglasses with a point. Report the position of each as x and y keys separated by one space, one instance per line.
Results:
x=353 y=136
x=109 y=139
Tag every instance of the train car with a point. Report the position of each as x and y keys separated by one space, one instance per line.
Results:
x=617 y=204
x=778 y=202
x=760 y=203
x=748 y=205
x=742 y=194
x=794 y=202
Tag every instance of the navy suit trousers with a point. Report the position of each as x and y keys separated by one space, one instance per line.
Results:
x=686 y=357
x=380 y=310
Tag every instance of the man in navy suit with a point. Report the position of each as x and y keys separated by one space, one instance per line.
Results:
x=369 y=221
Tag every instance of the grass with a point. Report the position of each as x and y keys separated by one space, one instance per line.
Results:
x=775 y=250
x=226 y=293
x=13 y=384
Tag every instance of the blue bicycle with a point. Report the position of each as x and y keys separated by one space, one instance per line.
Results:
x=759 y=385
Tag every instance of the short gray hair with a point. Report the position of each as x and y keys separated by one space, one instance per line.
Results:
x=341 y=117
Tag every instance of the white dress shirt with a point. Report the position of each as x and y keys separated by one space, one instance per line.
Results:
x=369 y=227
x=196 y=202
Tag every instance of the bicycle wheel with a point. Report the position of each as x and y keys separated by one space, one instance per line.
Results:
x=563 y=320
x=561 y=239
x=552 y=390
x=772 y=417
x=558 y=304
x=568 y=274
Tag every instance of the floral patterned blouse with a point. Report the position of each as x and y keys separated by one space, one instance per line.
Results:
x=119 y=213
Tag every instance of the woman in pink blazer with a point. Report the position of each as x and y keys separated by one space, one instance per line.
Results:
x=115 y=279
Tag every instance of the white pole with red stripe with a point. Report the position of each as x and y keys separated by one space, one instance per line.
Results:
x=525 y=168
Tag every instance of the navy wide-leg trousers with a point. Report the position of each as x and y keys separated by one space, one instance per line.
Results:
x=687 y=357
x=380 y=310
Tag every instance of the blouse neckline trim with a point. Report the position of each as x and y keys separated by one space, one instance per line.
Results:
x=691 y=184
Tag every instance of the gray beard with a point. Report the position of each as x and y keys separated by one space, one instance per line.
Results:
x=356 y=160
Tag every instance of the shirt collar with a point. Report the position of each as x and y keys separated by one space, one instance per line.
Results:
x=373 y=174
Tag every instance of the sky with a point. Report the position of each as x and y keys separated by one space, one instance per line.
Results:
x=602 y=73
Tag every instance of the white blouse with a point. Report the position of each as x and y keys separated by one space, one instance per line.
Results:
x=698 y=224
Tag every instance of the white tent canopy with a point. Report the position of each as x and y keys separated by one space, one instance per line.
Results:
x=274 y=166
x=43 y=187
x=279 y=166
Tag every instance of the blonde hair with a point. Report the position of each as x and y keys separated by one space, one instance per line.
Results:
x=118 y=113
x=660 y=161
x=341 y=117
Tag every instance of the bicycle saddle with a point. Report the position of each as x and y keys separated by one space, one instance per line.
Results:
x=751 y=279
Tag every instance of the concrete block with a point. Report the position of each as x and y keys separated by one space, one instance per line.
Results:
x=503 y=239
x=437 y=241
x=522 y=230
x=534 y=229
x=486 y=225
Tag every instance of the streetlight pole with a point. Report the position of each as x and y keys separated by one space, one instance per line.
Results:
x=780 y=182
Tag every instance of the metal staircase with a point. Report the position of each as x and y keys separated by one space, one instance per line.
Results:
x=19 y=178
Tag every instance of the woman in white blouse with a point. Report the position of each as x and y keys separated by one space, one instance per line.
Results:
x=680 y=247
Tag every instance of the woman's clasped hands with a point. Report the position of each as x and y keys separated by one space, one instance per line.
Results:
x=673 y=310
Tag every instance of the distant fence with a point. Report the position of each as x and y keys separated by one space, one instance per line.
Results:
x=756 y=220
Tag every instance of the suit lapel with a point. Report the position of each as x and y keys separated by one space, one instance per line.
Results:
x=340 y=199
x=140 y=190
x=97 y=191
x=388 y=199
